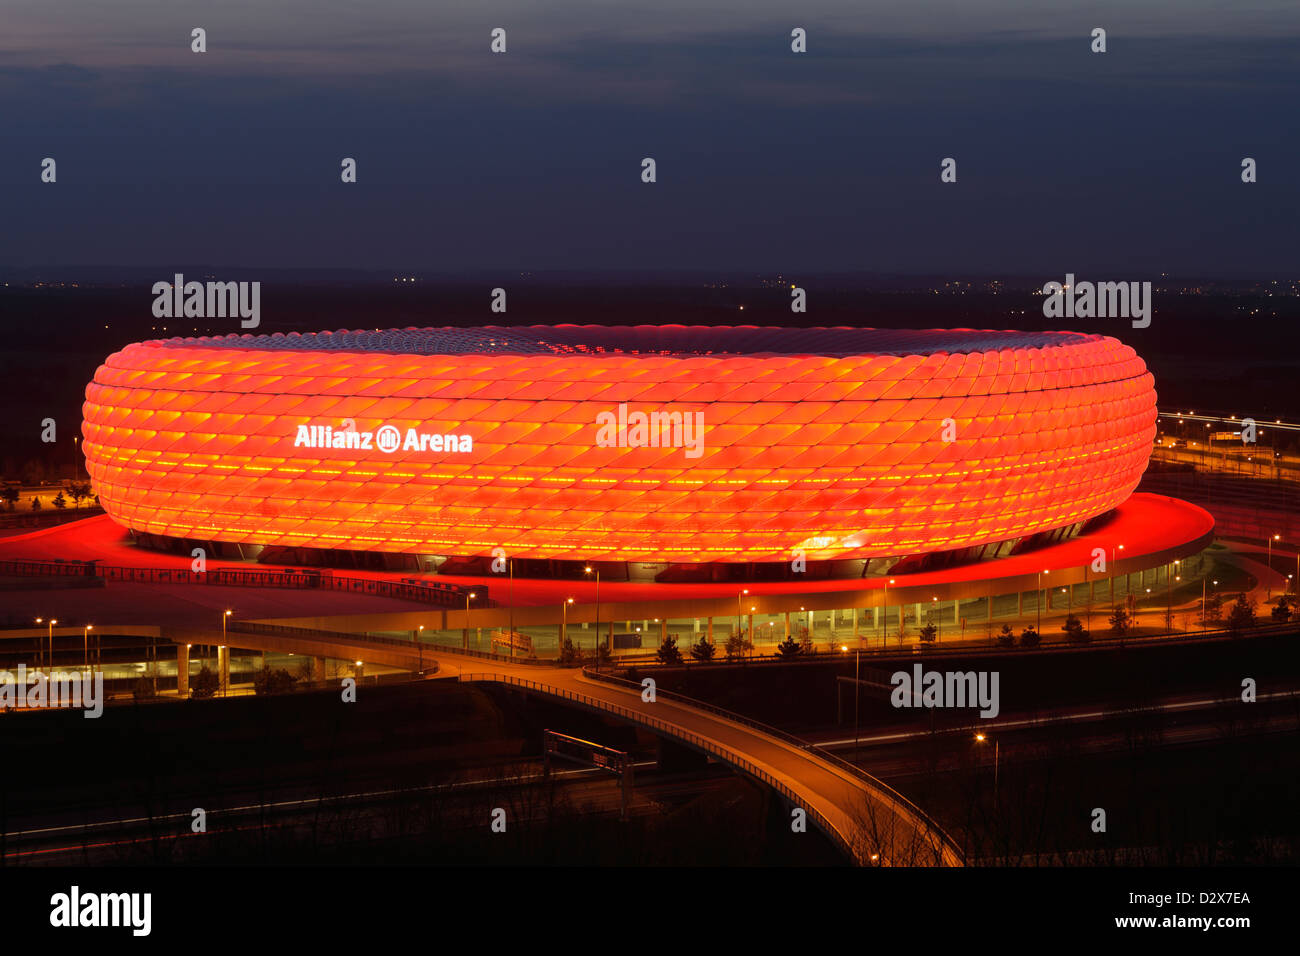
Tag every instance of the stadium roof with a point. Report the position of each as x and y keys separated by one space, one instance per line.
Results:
x=668 y=340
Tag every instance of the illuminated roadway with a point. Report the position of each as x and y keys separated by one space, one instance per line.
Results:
x=868 y=820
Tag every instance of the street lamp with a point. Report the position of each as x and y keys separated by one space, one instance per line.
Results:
x=85 y=647
x=857 y=663
x=739 y=614
x=597 y=645
x=996 y=752
x=468 y=597
x=884 y=613
x=564 y=622
x=1038 y=602
x=1112 y=573
x=1276 y=537
x=52 y=622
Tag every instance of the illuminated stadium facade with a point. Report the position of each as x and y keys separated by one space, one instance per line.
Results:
x=666 y=444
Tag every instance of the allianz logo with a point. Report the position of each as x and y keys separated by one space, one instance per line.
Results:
x=385 y=438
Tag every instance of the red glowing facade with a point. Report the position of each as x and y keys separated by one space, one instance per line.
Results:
x=677 y=444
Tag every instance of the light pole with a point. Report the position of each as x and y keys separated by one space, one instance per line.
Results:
x=857 y=664
x=996 y=754
x=739 y=614
x=419 y=641
x=597 y=646
x=50 y=661
x=85 y=647
x=1112 y=573
x=884 y=614
x=1038 y=604
x=1276 y=537
x=468 y=597
x=564 y=622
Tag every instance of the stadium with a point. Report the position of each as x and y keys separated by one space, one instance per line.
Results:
x=868 y=446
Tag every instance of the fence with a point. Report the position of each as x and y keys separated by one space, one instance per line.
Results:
x=316 y=634
x=431 y=592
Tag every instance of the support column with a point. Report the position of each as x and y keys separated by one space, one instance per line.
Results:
x=223 y=670
x=956 y=613
x=1020 y=604
x=182 y=670
x=787 y=625
x=875 y=618
x=663 y=629
x=710 y=630
x=989 y=612
x=855 y=626
x=918 y=613
x=318 y=669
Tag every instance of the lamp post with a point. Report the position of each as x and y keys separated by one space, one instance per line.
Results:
x=468 y=597
x=884 y=614
x=419 y=642
x=85 y=647
x=1276 y=537
x=564 y=622
x=49 y=664
x=739 y=614
x=597 y=646
x=1112 y=573
x=1038 y=604
x=996 y=753
x=857 y=664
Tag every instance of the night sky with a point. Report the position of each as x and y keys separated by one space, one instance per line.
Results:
x=1125 y=163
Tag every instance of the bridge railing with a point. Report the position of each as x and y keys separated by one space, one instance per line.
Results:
x=948 y=845
x=318 y=634
x=440 y=593
x=842 y=840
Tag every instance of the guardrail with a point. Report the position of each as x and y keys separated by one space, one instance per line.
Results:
x=949 y=846
x=317 y=634
x=843 y=841
x=431 y=592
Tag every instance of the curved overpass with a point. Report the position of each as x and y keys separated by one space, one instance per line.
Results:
x=872 y=823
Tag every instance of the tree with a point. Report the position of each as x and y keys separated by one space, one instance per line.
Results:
x=702 y=650
x=1242 y=614
x=204 y=684
x=10 y=494
x=789 y=649
x=1030 y=637
x=1281 y=611
x=1074 y=631
x=737 y=646
x=60 y=502
x=79 y=491
x=278 y=681
x=1006 y=637
x=1120 y=622
x=569 y=652
x=668 y=652
x=36 y=503
x=928 y=634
